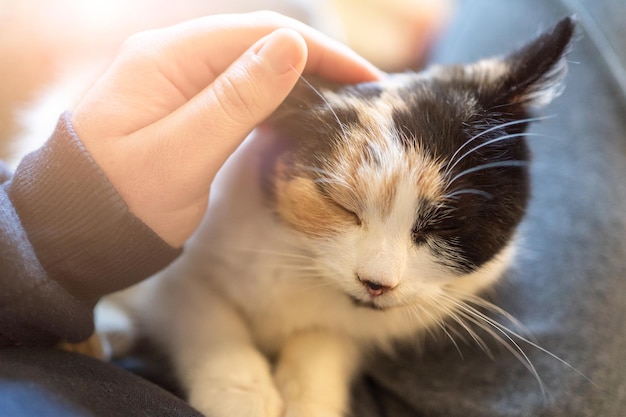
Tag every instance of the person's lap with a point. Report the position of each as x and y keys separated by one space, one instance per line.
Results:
x=37 y=382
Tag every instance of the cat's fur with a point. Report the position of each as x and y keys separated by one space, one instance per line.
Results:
x=362 y=215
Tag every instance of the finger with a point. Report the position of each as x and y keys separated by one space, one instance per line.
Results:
x=216 y=120
x=217 y=41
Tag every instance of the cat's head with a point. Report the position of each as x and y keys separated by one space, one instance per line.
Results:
x=415 y=184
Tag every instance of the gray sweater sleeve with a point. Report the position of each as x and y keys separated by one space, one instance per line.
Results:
x=66 y=239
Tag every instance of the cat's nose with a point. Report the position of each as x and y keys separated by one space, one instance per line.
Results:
x=374 y=288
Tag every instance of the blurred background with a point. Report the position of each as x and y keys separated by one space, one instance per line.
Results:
x=51 y=51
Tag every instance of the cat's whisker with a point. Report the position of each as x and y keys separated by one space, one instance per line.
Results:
x=494 y=128
x=438 y=321
x=509 y=343
x=511 y=333
x=452 y=313
x=489 y=165
x=295 y=262
x=490 y=325
x=321 y=96
x=491 y=142
x=301 y=272
x=414 y=312
x=501 y=334
x=313 y=281
x=451 y=330
x=483 y=303
x=481 y=193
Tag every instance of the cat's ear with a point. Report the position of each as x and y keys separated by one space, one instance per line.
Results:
x=528 y=77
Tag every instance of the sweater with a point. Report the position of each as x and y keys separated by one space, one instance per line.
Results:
x=66 y=239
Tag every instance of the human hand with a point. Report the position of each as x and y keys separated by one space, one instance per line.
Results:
x=176 y=102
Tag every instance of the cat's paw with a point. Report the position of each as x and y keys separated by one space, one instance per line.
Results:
x=115 y=328
x=237 y=399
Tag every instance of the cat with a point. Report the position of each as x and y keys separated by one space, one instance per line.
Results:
x=355 y=217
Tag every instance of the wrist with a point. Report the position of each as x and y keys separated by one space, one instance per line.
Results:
x=80 y=228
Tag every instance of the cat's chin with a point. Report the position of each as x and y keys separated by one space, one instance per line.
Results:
x=370 y=304
x=365 y=304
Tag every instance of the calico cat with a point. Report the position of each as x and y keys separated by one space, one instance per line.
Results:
x=357 y=216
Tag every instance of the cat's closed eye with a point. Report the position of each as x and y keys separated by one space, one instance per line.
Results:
x=355 y=216
x=445 y=228
x=337 y=203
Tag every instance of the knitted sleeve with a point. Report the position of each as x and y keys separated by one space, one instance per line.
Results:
x=66 y=239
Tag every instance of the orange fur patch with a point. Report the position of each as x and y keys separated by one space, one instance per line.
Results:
x=303 y=206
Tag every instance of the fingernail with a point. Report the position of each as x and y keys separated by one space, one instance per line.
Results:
x=282 y=50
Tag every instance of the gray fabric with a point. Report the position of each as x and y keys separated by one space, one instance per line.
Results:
x=569 y=280
x=38 y=382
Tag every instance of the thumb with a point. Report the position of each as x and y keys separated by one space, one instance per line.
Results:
x=216 y=120
x=253 y=87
